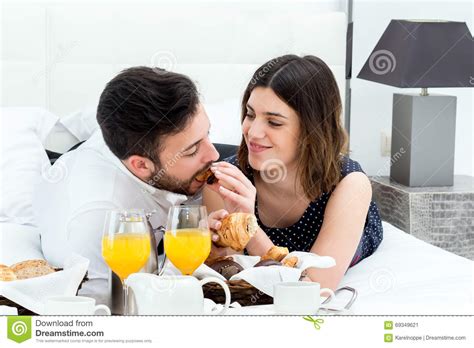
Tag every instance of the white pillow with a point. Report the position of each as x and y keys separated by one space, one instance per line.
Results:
x=81 y=123
x=22 y=160
x=60 y=140
x=224 y=116
x=73 y=128
x=19 y=243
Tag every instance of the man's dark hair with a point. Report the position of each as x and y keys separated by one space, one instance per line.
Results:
x=141 y=105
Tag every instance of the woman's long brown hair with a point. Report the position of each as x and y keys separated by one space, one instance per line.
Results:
x=308 y=86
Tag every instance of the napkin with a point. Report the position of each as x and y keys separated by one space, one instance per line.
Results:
x=7 y=310
x=263 y=278
x=32 y=293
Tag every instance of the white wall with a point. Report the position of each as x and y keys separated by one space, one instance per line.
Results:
x=51 y=46
x=60 y=54
x=371 y=105
x=26 y=70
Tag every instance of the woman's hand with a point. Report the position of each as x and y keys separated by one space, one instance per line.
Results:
x=236 y=190
x=214 y=221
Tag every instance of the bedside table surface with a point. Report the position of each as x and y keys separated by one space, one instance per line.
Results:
x=442 y=216
x=462 y=184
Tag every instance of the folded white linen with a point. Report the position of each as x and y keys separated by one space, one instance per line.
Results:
x=263 y=278
x=32 y=293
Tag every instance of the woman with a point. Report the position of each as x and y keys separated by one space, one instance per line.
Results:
x=291 y=171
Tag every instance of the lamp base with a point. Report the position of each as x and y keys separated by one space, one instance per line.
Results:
x=423 y=137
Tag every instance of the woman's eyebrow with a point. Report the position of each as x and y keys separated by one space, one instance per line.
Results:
x=268 y=113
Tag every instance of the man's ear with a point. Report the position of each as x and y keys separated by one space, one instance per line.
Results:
x=141 y=167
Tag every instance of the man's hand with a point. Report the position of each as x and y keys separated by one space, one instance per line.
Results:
x=214 y=221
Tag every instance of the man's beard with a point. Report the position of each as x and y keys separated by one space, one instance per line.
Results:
x=161 y=180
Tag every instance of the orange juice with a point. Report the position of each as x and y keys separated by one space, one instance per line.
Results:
x=187 y=248
x=126 y=253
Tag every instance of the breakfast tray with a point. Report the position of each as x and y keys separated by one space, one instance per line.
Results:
x=247 y=295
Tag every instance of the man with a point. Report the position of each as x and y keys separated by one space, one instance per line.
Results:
x=153 y=142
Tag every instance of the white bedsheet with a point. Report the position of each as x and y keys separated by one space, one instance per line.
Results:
x=409 y=276
x=404 y=276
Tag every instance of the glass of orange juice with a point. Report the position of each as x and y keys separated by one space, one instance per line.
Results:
x=187 y=237
x=126 y=244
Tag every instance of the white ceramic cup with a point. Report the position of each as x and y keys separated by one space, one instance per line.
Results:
x=74 y=305
x=299 y=298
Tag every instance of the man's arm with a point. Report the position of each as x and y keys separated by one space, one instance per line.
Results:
x=84 y=237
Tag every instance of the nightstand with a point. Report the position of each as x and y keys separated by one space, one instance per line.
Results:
x=442 y=216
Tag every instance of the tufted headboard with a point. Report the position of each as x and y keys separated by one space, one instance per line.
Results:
x=59 y=55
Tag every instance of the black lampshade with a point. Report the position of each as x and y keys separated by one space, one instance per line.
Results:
x=422 y=54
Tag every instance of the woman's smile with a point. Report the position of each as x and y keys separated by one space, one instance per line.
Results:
x=257 y=148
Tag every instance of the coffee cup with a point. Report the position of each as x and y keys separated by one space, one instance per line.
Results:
x=74 y=305
x=299 y=298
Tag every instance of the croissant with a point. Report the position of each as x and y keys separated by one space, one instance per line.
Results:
x=236 y=231
x=275 y=253
x=290 y=262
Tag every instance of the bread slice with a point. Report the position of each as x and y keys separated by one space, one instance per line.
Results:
x=31 y=269
x=6 y=273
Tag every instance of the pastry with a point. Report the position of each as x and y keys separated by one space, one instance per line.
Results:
x=236 y=230
x=290 y=261
x=226 y=267
x=275 y=253
x=210 y=260
x=263 y=263
x=31 y=269
x=6 y=273
x=207 y=176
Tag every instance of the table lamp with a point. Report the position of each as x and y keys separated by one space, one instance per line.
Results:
x=422 y=54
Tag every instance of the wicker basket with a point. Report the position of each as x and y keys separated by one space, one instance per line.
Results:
x=241 y=292
x=24 y=311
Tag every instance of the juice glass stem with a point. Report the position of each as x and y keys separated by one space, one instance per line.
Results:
x=125 y=298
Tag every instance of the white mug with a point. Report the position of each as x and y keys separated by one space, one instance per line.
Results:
x=171 y=295
x=74 y=305
x=299 y=298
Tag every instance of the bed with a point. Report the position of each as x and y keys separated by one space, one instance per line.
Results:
x=405 y=276
x=67 y=53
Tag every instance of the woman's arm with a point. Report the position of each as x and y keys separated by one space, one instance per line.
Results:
x=212 y=200
x=342 y=228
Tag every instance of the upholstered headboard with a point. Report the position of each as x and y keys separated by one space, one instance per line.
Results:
x=59 y=55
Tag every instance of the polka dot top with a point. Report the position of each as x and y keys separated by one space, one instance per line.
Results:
x=301 y=235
